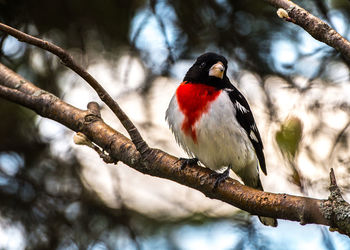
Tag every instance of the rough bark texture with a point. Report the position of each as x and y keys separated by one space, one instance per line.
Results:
x=333 y=212
x=68 y=60
x=314 y=26
x=306 y=210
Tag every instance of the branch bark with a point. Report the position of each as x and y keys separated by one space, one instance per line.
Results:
x=158 y=163
x=282 y=206
x=318 y=29
x=68 y=61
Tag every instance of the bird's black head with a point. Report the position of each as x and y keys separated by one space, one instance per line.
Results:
x=209 y=68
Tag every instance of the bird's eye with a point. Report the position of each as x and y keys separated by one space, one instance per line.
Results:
x=202 y=65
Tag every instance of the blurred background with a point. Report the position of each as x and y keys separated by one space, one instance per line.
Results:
x=55 y=195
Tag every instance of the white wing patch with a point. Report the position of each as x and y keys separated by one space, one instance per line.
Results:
x=253 y=136
x=240 y=107
x=253 y=127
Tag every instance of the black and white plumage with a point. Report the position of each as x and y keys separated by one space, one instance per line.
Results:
x=245 y=118
x=213 y=122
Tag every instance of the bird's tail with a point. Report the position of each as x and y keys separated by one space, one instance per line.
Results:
x=267 y=221
x=254 y=182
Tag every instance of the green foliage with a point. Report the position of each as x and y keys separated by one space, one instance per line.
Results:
x=289 y=135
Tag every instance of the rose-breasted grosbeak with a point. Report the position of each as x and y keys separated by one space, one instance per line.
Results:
x=213 y=122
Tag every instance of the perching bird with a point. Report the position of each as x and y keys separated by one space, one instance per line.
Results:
x=212 y=121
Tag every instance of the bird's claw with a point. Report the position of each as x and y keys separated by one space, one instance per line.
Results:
x=220 y=177
x=185 y=162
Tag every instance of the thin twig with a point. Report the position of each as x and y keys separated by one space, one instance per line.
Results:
x=171 y=58
x=332 y=178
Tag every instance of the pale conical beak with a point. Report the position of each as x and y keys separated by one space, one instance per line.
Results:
x=217 y=70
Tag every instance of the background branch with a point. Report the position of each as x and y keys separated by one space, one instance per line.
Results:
x=318 y=29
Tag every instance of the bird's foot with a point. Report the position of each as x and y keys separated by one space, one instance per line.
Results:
x=185 y=162
x=220 y=177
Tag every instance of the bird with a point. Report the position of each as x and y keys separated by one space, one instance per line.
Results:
x=212 y=121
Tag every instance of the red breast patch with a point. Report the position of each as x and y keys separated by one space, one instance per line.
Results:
x=194 y=100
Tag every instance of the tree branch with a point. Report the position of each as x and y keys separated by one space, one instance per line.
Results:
x=296 y=208
x=68 y=60
x=318 y=29
x=282 y=206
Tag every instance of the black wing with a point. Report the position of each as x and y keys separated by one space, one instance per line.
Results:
x=245 y=118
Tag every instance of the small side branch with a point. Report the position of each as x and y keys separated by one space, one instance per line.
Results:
x=81 y=139
x=336 y=209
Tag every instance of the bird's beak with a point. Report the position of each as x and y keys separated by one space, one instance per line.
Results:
x=217 y=70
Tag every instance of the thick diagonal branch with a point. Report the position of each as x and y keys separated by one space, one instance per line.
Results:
x=16 y=89
x=283 y=206
x=68 y=60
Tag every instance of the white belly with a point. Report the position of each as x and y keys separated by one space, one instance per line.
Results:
x=221 y=141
